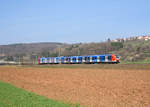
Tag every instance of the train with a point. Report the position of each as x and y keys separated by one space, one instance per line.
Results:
x=89 y=59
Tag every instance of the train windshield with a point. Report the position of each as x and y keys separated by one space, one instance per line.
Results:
x=117 y=56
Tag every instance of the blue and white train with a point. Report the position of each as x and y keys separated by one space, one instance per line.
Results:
x=90 y=59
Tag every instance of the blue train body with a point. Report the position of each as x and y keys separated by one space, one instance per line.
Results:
x=90 y=59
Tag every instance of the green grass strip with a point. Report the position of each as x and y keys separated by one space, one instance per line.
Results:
x=11 y=96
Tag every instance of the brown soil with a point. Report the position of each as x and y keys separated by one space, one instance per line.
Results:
x=92 y=87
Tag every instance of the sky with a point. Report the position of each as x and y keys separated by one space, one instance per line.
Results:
x=72 y=21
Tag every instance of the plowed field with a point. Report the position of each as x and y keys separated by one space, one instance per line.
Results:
x=92 y=87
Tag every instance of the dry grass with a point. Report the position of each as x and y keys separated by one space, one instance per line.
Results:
x=93 y=87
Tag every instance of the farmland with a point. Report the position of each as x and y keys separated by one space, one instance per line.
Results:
x=94 y=85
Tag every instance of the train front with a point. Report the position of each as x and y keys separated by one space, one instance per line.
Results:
x=115 y=58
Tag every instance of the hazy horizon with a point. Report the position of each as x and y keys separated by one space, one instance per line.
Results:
x=65 y=21
x=68 y=42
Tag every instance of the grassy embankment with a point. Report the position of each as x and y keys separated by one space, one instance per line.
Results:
x=11 y=96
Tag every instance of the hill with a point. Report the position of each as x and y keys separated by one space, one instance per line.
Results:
x=28 y=51
x=30 y=48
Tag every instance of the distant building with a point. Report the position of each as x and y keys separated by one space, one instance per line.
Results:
x=146 y=37
x=2 y=55
x=2 y=62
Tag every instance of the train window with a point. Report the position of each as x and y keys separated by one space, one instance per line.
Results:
x=73 y=58
x=117 y=56
x=68 y=59
x=93 y=58
x=62 y=59
x=88 y=58
x=80 y=58
x=109 y=57
x=57 y=59
x=102 y=58
x=52 y=59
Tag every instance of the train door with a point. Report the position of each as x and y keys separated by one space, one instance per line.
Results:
x=45 y=60
x=86 y=59
x=102 y=58
x=57 y=60
x=98 y=59
x=62 y=60
x=74 y=60
x=79 y=59
x=106 y=58
x=71 y=60
x=48 y=59
x=68 y=60
x=41 y=60
x=65 y=60
x=94 y=59
x=83 y=59
x=109 y=58
x=90 y=59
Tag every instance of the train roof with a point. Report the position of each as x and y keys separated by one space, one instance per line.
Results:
x=80 y=56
